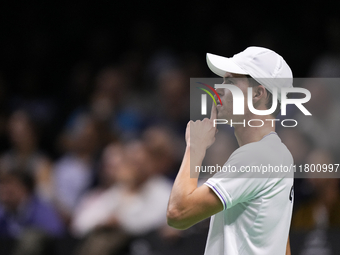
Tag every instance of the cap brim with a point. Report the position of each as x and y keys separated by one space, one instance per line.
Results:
x=220 y=65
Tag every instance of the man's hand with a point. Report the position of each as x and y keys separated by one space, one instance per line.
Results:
x=201 y=134
x=189 y=204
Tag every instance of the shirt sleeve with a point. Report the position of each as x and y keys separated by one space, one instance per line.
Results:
x=237 y=187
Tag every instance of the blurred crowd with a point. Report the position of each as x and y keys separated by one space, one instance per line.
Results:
x=94 y=157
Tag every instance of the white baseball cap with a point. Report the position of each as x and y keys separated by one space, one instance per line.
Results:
x=266 y=66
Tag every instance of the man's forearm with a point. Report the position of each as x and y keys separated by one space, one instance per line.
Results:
x=185 y=196
x=185 y=184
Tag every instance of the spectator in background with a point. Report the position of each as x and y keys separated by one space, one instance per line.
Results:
x=328 y=64
x=93 y=207
x=324 y=124
x=24 y=216
x=134 y=205
x=323 y=209
x=113 y=106
x=297 y=143
x=25 y=154
x=173 y=99
x=165 y=148
x=74 y=172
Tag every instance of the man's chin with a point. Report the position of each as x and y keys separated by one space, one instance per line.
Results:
x=220 y=115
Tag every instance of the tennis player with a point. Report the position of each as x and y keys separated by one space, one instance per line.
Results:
x=249 y=215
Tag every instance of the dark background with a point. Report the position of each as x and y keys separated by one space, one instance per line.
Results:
x=51 y=52
x=43 y=42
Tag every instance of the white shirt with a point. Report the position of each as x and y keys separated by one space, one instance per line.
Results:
x=137 y=214
x=71 y=177
x=257 y=211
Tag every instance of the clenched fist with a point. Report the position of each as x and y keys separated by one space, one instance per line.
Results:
x=201 y=133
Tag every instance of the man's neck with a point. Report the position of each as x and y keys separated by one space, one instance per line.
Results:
x=249 y=134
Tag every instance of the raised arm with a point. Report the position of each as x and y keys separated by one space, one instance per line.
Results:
x=189 y=204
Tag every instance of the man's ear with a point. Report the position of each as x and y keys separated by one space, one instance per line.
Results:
x=259 y=92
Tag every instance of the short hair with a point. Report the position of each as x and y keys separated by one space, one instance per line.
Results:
x=254 y=83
